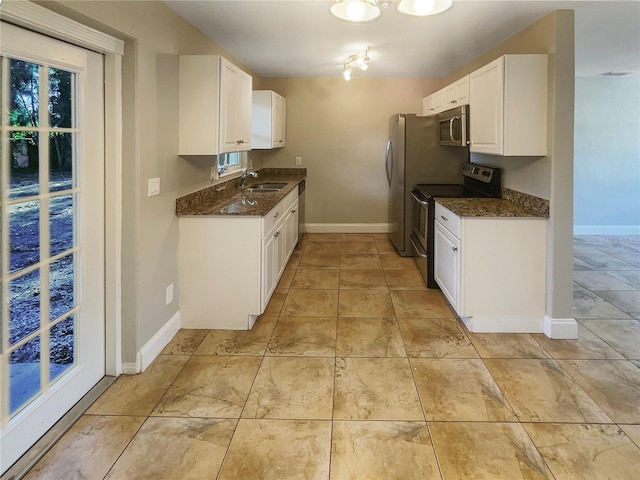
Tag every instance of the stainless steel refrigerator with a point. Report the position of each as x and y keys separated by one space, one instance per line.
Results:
x=413 y=156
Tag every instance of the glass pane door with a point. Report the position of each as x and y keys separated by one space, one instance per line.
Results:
x=51 y=233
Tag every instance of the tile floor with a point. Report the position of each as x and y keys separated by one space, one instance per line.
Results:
x=356 y=371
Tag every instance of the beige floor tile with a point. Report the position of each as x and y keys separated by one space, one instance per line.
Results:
x=322 y=248
x=357 y=278
x=358 y=247
x=185 y=342
x=507 y=345
x=290 y=388
x=435 y=338
x=420 y=304
x=210 y=386
x=393 y=261
x=613 y=384
x=587 y=305
x=384 y=245
x=279 y=449
x=286 y=279
x=274 y=307
x=375 y=389
x=405 y=280
x=622 y=335
x=382 y=451
x=312 y=260
x=459 y=390
x=316 y=279
x=365 y=303
x=628 y=302
x=315 y=336
x=595 y=280
x=294 y=259
x=369 y=337
x=175 y=448
x=486 y=451
x=88 y=449
x=138 y=394
x=239 y=342
x=541 y=391
x=633 y=432
x=360 y=262
x=587 y=452
x=358 y=237
x=311 y=303
x=586 y=346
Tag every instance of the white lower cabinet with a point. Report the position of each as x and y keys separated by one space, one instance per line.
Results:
x=230 y=265
x=492 y=270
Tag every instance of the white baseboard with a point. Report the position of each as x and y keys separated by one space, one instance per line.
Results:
x=606 y=229
x=561 y=328
x=508 y=324
x=154 y=346
x=346 y=228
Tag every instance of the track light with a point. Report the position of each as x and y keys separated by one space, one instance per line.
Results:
x=359 y=60
x=362 y=11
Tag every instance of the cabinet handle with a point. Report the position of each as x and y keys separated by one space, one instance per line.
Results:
x=277 y=234
x=276 y=215
x=293 y=211
x=444 y=218
x=455 y=249
x=454 y=101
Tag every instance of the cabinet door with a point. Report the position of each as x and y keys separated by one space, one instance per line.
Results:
x=486 y=87
x=427 y=106
x=450 y=96
x=243 y=109
x=438 y=101
x=447 y=264
x=280 y=121
x=462 y=91
x=229 y=91
x=291 y=229
x=269 y=267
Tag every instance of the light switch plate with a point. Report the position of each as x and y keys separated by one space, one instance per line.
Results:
x=154 y=187
x=298 y=160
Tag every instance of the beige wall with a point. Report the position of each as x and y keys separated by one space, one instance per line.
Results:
x=340 y=129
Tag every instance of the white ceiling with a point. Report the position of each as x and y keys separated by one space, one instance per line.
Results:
x=301 y=38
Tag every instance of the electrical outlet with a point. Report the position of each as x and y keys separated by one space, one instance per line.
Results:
x=169 y=295
x=298 y=160
x=153 y=187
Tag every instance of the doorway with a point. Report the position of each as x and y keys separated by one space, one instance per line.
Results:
x=52 y=260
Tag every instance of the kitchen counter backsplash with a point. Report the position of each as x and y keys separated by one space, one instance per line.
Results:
x=537 y=204
x=225 y=192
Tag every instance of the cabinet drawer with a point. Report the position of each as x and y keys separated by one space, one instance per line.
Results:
x=290 y=199
x=272 y=217
x=448 y=219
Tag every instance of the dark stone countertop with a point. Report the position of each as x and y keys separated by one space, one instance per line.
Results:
x=228 y=199
x=489 y=207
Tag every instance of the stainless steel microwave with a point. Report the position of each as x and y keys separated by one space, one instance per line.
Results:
x=454 y=127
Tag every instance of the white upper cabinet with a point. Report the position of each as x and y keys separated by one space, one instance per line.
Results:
x=448 y=97
x=215 y=106
x=268 y=125
x=508 y=111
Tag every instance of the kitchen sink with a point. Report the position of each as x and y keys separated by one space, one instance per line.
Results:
x=265 y=187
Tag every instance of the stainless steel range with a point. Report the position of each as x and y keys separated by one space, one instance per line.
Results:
x=478 y=181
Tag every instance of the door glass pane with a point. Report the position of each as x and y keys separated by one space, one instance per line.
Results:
x=60 y=94
x=24 y=374
x=24 y=164
x=60 y=161
x=24 y=78
x=61 y=284
x=24 y=234
x=61 y=223
x=24 y=306
x=61 y=347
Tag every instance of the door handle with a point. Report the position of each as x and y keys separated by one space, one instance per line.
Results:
x=387 y=160
x=420 y=251
x=421 y=202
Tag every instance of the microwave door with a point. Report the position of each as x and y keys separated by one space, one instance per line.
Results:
x=455 y=130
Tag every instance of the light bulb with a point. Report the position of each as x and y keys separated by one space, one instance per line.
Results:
x=355 y=11
x=362 y=66
x=347 y=74
x=423 y=7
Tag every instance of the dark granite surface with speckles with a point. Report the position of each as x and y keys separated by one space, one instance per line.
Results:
x=487 y=207
x=227 y=198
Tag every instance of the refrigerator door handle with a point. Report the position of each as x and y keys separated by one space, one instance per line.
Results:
x=388 y=161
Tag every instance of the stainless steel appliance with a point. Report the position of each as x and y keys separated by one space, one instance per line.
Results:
x=454 y=127
x=478 y=181
x=301 y=208
x=414 y=155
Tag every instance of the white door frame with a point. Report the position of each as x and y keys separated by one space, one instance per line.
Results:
x=42 y=20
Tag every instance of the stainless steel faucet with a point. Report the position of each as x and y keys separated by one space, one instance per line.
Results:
x=246 y=173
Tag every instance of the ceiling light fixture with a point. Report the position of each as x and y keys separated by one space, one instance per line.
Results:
x=359 y=60
x=362 y=11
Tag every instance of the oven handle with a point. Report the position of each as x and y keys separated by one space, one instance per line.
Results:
x=420 y=201
x=421 y=252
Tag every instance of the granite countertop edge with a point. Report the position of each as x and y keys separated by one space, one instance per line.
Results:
x=490 y=207
x=215 y=200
